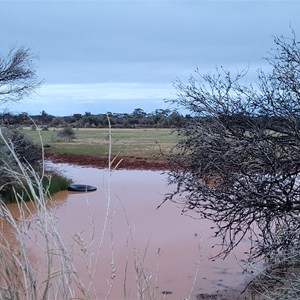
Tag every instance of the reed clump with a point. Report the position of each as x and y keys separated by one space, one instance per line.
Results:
x=52 y=183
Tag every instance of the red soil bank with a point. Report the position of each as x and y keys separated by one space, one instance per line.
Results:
x=130 y=163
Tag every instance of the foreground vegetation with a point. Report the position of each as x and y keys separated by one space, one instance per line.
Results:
x=57 y=276
x=238 y=165
x=238 y=161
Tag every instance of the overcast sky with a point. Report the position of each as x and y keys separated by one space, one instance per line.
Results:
x=99 y=56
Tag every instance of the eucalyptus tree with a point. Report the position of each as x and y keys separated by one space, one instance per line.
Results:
x=237 y=161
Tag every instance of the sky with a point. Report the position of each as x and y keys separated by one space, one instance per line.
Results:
x=114 y=56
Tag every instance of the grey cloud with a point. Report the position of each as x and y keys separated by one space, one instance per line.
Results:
x=155 y=41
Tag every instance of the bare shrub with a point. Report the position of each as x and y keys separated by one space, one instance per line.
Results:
x=247 y=139
x=66 y=134
x=17 y=75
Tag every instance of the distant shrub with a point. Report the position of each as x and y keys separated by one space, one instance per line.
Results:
x=45 y=128
x=67 y=134
x=33 y=127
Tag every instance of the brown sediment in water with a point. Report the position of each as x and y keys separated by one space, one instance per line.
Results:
x=175 y=242
x=122 y=162
x=213 y=277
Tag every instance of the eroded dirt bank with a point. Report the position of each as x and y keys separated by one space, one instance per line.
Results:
x=130 y=163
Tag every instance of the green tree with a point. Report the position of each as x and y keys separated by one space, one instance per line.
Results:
x=139 y=113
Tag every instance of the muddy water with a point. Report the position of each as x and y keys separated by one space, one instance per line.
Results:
x=172 y=247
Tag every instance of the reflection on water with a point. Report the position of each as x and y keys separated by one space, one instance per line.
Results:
x=171 y=245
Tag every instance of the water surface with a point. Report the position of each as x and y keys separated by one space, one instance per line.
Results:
x=172 y=247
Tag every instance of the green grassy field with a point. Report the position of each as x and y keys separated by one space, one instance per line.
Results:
x=145 y=143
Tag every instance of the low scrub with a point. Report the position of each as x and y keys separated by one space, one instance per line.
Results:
x=66 y=134
x=16 y=149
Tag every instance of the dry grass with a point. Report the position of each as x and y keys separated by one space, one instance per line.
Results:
x=20 y=278
x=55 y=276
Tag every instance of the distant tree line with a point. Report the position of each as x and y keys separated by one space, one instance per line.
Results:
x=160 y=118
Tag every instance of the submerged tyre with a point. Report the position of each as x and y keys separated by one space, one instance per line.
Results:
x=81 y=188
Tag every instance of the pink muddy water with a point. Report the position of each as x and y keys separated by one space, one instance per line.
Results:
x=173 y=247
